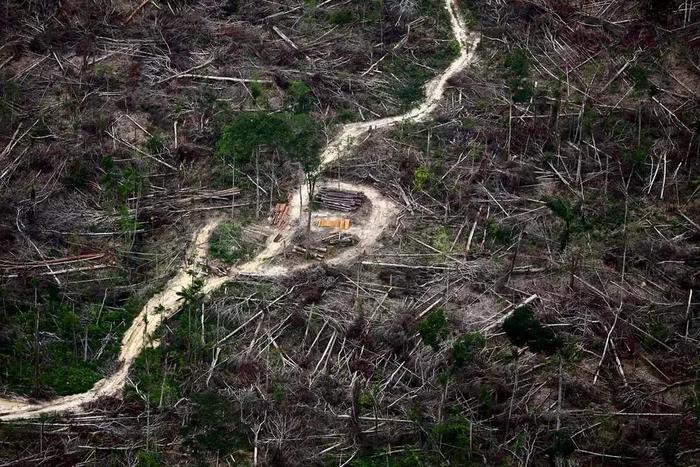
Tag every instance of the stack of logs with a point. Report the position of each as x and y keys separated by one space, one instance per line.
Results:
x=313 y=252
x=280 y=214
x=339 y=200
x=340 y=239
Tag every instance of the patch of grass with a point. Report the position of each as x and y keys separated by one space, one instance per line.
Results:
x=154 y=144
x=517 y=71
x=214 y=427
x=412 y=78
x=421 y=177
x=341 y=17
x=151 y=375
x=433 y=329
x=453 y=437
x=499 y=233
x=10 y=95
x=68 y=375
x=345 y=116
x=571 y=215
x=257 y=92
x=466 y=347
x=523 y=329
x=300 y=96
x=146 y=458
x=54 y=360
x=226 y=244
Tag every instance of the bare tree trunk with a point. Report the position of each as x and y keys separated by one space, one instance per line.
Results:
x=257 y=183
x=311 y=180
x=233 y=185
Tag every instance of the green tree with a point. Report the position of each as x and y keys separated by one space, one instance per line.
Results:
x=571 y=215
x=300 y=94
x=302 y=145
x=466 y=347
x=523 y=329
x=241 y=139
x=433 y=328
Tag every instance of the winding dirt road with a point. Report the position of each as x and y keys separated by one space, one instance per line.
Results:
x=166 y=303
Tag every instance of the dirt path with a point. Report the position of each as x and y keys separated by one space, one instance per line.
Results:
x=165 y=304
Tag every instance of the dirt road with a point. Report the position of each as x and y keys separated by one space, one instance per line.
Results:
x=165 y=304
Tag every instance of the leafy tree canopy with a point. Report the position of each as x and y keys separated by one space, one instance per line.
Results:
x=295 y=134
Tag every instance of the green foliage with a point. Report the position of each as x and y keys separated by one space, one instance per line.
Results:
x=151 y=375
x=214 y=427
x=421 y=177
x=518 y=73
x=57 y=358
x=247 y=132
x=77 y=176
x=192 y=296
x=10 y=95
x=433 y=329
x=146 y=458
x=640 y=77
x=302 y=144
x=562 y=446
x=127 y=222
x=256 y=91
x=523 y=329
x=297 y=135
x=300 y=95
x=500 y=233
x=366 y=400
x=466 y=347
x=413 y=458
x=226 y=245
x=571 y=352
x=341 y=17
x=106 y=75
x=442 y=241
x=154 y=144
x=412 y=78
x=468 y=16
x=518 y=63
x=345 y=115
x=571 y=215
x=121 y=183
x=69 y=375
x=486 y=401
x=637 y=155
x=130 y=182
x=279 y=392
x=561 y=208
x=453 y=437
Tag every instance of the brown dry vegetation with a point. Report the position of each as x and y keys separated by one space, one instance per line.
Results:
x=561 y=170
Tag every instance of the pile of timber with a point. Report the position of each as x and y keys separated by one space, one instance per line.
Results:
x=332 y=223
x=280 y=214
x=170 y=200
x=340 y=239
x=340 y=200
x=314 y=252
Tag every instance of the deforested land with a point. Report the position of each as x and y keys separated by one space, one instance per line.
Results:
x=349 y=232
